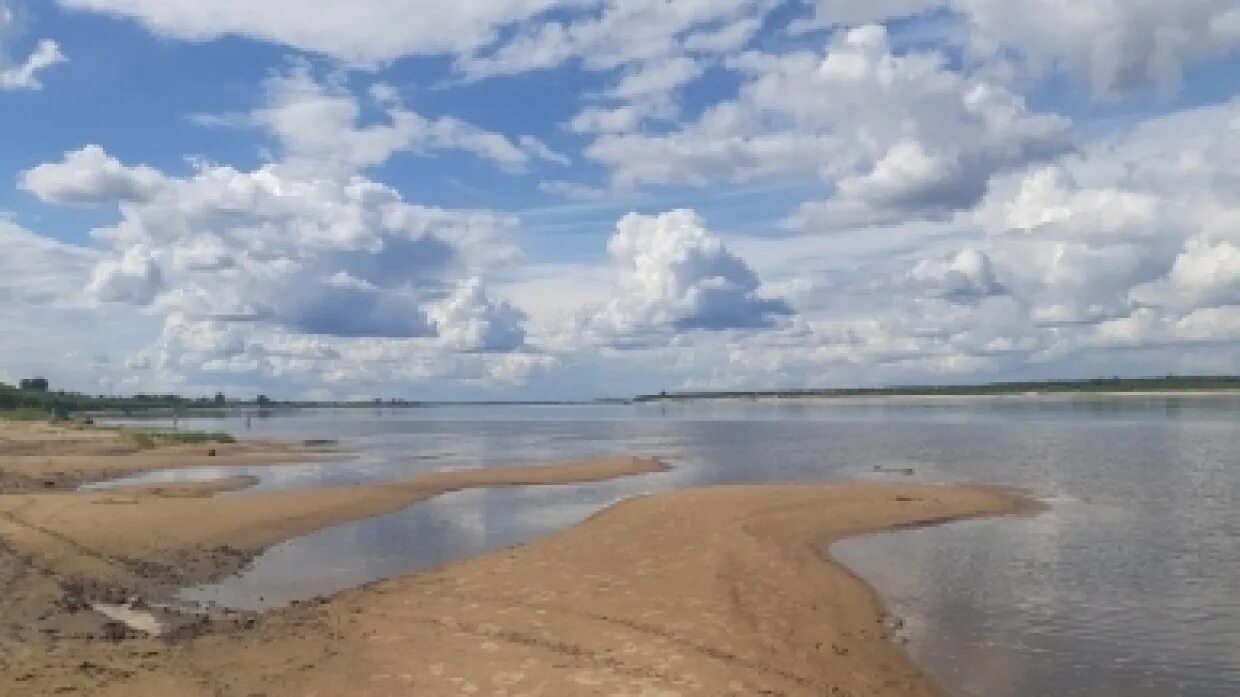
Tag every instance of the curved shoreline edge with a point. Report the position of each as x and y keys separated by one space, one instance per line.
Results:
x=42 y=457
x=725 y=590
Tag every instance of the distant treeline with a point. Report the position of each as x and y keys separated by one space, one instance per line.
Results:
x=34 y=400
x=1155 y=384
x=60 y=403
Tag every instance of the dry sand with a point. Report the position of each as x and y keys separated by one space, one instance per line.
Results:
x=715 y=591
x=40 y=456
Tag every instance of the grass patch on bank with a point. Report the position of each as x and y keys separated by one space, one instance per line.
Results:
x=147 y=439
x=23 y=414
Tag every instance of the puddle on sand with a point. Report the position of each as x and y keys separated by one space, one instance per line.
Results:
x=430 y=533
x=266 y=477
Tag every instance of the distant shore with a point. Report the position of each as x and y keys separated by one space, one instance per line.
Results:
x=38 y=404
x=1097 y=387
x=1031 y=396
x=41 y=456
x=721 y=590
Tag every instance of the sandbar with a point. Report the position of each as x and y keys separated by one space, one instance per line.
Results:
x=723 y=590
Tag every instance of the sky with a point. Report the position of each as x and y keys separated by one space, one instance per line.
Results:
x=551 y=199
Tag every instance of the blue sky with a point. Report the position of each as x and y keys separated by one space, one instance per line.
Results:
x=544 y=198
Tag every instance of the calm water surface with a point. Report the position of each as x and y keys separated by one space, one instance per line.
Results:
x=1129 y=585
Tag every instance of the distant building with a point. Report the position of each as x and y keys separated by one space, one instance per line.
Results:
x=220 y=399
x=34 y=384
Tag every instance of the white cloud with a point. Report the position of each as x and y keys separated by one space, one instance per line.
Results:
x=1051 y=198
x=303 y=269
x=133 y=278
x=1113 y=46
x=656 y=79
x=467 y=320
x=618 y=119
x=363 y=32
x=967 y=275
x=383 y=321
x=624 y=33
x=38 y=270
x=1122 y=258
x=322 y=256
x=1205 y=275
x=898 y=136
x=829 y=13
x=1138 y=236
x=965 y=239
x=675 y=276
x=319 y=124
x=25 y=76
x=653 y=47
x=91 y=176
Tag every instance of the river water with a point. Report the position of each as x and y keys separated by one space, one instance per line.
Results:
x=1128 y=585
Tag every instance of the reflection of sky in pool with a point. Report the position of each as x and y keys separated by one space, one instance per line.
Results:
x=1127 y=586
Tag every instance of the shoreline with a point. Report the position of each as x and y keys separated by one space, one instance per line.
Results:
x=68 y=554
x=1032 y=396
x=716 y=590
x=39 y=456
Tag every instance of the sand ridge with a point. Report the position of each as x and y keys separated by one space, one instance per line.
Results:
x=716 y=591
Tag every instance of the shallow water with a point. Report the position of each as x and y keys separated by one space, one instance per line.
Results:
x=1128 y=585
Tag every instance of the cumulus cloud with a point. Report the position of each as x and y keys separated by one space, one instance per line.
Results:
x=468 y=320
x=90 y=176
x=898 y=136
x=1136 y=237
x=967 y=275
x=133 y=278
x=1000 y=245
x=674 y=275
x=1116 y=46
x=301 y=265
x=305 y=243
x=320 y=256
x=1146 y=219
x=1121 y=258
x=1113 y=47
x=267 y=275
x=1206 y=274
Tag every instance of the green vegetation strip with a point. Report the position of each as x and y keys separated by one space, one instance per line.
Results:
x=155 y=439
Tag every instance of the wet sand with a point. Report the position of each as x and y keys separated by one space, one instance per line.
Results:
x=714 y=591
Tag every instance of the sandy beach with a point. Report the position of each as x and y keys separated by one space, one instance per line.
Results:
x=38 y=456
x=714 y=591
